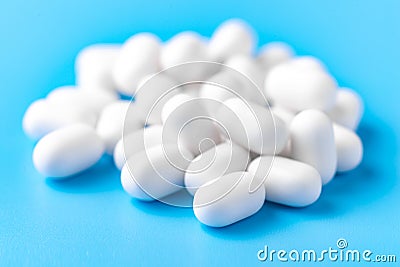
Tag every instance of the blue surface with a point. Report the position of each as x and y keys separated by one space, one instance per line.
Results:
x=90 y=221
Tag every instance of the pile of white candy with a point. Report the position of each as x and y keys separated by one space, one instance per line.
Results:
x=310 y=132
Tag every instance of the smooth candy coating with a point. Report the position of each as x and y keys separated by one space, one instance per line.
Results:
x=187 y=123
x=135 y=142
x=89 y=99
x=182 y=48
x=67 y=151
x=222 y=86
x=149 y=174
x=233 y=37
x=253 y=126
x=313 y=142
x=228 y=199
x=152 y=94
x=139 y=56
x=273 y=54
x=214 y=163
x=307 y=62
x=287 y=181
x=348 y=109
x=251 y=78
x=349 y=148
x=297 y=88
x=43 y=117
x=94 y=65
x=110 y=125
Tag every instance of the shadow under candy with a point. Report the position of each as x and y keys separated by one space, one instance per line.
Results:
x=101 y=177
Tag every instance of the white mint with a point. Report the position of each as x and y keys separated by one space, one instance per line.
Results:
x=111 y=123
x=150 y=174
x=135 y=142
x=348 y=109
x=224 y=85
x=94 y=65
x=186 y=123
x=92 y=100
x=349 y=148
x=214 y=163
x=67 y=151
x=287 y=181
x=312 y=142
x=139 y=56
x=152 y=94
x=250 y=76
x=252 y=126
x=233 y=37
x=297 y=89
x=272 y=54
x=182 y=48
x=228 y=199
x=43 y=117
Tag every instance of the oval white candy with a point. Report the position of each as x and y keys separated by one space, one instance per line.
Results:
x=94 y=65
x=214 y=163
x=135 y=142
x=287 y=181
x=186 y=122
x=138 y=57
x=251 y=78
x=152 y=94
x=228 y=199
x=273 y=54
x=297 y=89
x=150 y=174
x=233 y=37
x=92 y=100
x=182 y=48
x=252 y=126
x=67 y=151
x=349 y=148
x=348 y=109
x=111 y=123
x=313 y=142
x=220 y=87
x=43 y=117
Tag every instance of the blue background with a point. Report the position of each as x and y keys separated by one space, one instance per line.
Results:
x=89 y=220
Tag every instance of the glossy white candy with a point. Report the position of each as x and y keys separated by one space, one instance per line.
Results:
x=67 y=151
x=313 y=142
x=233 y=37
x=187 y=123
x=150 y=174
x=348 y=109
x=252 y=126
x=307 y=62
x=273 y=54
x=251 y=77
x=94 y=65
x=152 y=94
x=297 y=88
x=139 y=56
x=228 y=199
x=111 y=123
x=89 y=99
x=214 y=163
x=43 y=117
x=135 y=142
x=287 y=181
x=224 y=85
x=349 y=148
x=182 y=48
